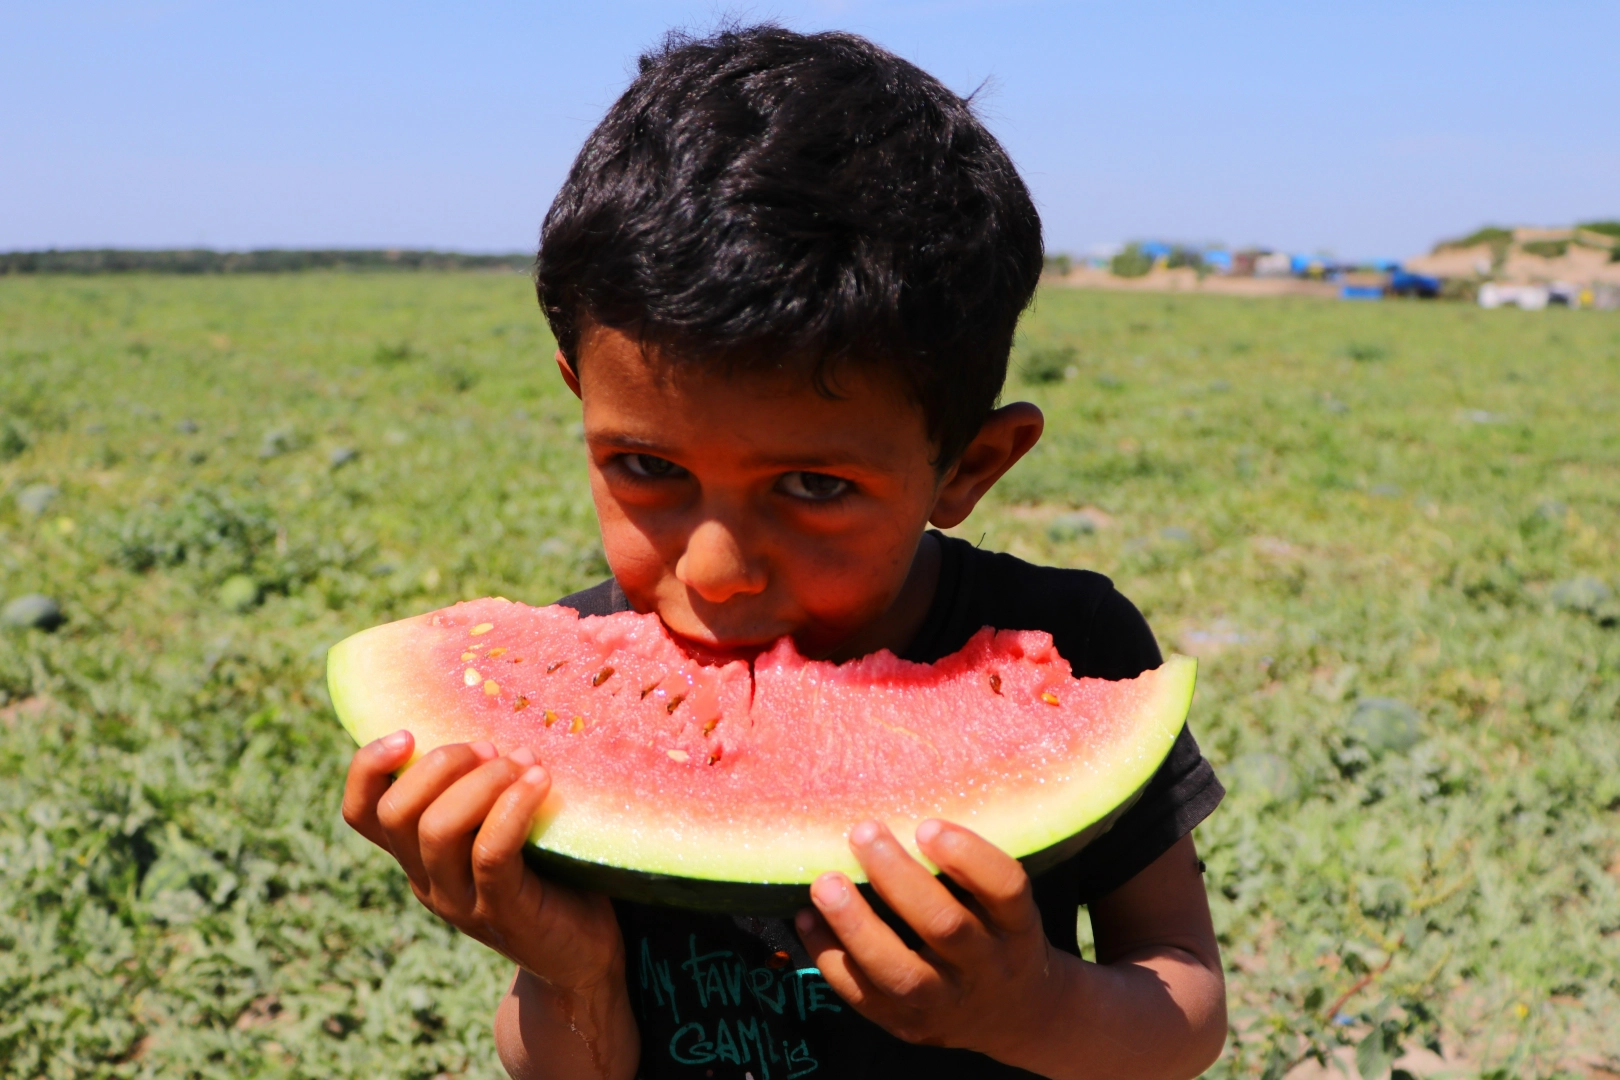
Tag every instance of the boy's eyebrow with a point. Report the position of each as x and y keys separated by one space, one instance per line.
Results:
x=621 y=440
x=625 y=441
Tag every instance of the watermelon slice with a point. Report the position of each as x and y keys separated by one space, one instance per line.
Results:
x=729 y=788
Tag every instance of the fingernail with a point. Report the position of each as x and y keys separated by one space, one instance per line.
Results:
x=864 y=833
x=805 y=920
x=534 y=775
x=485 y=750
x=524 y=756
x=928 y=830
x=829 y=892
x=399 y=740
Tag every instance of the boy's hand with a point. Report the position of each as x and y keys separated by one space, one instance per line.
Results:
x=456 y=822
x=984 y=980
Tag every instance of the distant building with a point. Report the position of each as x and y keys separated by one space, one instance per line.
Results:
x=1523 y=297
x=1098 y=256
x=1274 y=264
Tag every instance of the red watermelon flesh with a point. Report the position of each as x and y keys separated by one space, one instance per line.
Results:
x=666 y=768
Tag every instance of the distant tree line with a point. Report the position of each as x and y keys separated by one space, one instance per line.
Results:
x=266 y=261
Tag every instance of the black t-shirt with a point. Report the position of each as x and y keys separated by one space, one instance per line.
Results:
x=725 y=997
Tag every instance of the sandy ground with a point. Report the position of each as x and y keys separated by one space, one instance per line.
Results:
x=1183 y=279
x=1579 y=265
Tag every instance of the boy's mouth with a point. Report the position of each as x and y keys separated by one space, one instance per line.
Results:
x=708 y=652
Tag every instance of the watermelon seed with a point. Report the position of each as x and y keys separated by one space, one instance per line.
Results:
x=471 y=677
x=555 y=666
x=649 y=690
x=676 y=755
x=469 y=656
x=995 y=683
x=711 y=725
x=602 y=676
x=551 y=718
x=481 y=629
x=1049 y=697
x=714 y=756
x=517 y=659
x=520 y=704
x=674 y=702
x=491 y=687
x=493 y=653
x=576 y=725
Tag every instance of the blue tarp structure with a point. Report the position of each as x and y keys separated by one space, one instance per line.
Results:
x=1402 y=283
x=1301 y=264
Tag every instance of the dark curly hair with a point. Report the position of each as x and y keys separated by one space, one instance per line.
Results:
x=766 y=199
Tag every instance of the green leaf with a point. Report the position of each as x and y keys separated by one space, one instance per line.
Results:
x=1377 y=1051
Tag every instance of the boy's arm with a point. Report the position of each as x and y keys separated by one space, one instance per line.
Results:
x=456 y=822
x=988 y=979
x=544 y=1032
x=1158 y=964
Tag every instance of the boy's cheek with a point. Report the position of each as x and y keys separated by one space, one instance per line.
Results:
x=634 y=558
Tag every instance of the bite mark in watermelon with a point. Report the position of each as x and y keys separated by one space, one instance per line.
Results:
x=730 y=787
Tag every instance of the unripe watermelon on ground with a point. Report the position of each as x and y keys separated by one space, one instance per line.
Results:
x=729 y=788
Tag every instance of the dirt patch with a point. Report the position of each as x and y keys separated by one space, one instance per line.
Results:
x=24 y=709
x=1183 y=279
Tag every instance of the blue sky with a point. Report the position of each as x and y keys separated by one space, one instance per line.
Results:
x=1364 y=128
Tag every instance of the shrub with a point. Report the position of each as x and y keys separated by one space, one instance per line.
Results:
x=1494 y=235
x=1606 y=228
x=1364 y=352
x=1049 y=364
x=1546 y=249
x=1133 y=262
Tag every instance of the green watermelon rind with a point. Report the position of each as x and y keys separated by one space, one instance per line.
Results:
x=724 y=872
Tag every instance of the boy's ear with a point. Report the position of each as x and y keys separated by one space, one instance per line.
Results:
x=1007 y=435
x=568 y=373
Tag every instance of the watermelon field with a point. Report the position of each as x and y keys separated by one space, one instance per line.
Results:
x=1390 y=532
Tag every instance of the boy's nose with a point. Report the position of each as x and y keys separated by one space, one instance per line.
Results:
x=715 y=566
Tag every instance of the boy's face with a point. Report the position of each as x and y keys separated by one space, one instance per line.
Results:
x=744 y=507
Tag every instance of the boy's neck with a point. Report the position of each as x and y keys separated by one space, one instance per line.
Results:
x=897 y=627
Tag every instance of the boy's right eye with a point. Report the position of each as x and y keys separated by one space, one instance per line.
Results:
x=649 y=467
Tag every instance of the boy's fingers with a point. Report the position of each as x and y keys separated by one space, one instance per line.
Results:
x=996 y=880
x=840 y=972
x=497 y=863
x=867 y=940
x=400 y=810
x=918 y=897
x=449 y=827
x=370 y=775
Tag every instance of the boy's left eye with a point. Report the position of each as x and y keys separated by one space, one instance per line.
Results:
x=814 y=486
x=652 y=467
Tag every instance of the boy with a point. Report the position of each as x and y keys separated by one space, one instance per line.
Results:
x=784 y=276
